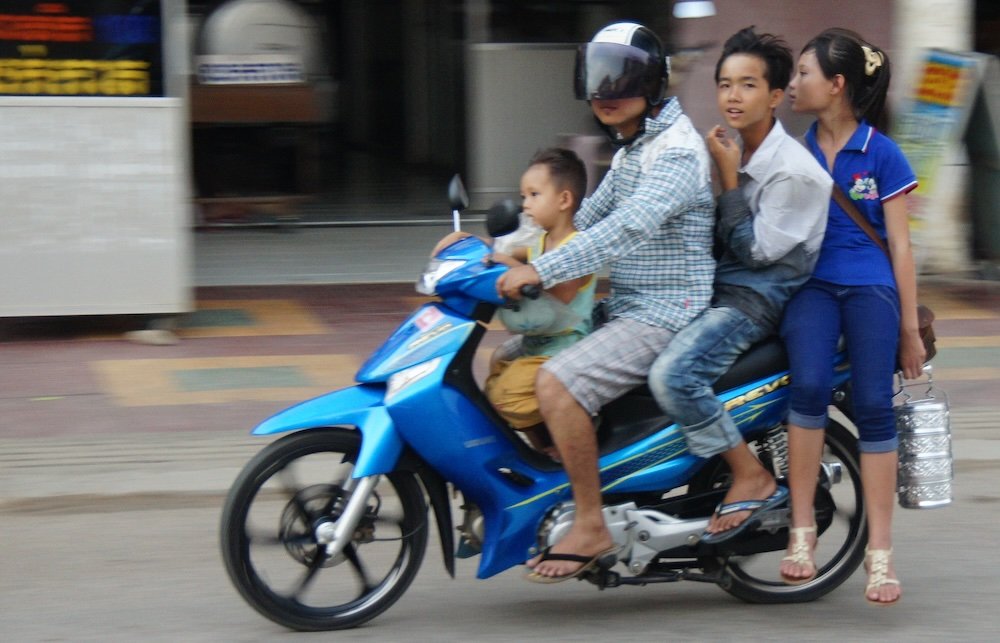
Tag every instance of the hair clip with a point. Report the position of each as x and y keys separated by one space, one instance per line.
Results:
x=873 y=60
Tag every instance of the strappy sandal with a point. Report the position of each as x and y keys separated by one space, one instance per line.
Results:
x=802 y=555
x=877 y=565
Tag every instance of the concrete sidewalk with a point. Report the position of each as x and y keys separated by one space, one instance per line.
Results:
x=89 y=421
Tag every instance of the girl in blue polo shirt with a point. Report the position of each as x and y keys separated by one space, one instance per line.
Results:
x=856 y=291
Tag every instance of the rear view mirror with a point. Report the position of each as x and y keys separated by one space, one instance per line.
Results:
x=503 y=218
x=457 y=196
x=459 y=199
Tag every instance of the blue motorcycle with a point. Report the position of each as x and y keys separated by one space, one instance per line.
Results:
x=327 y=526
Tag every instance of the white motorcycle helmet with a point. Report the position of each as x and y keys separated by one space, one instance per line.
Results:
x=623 y=60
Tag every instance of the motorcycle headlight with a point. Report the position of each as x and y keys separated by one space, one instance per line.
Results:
x=435 y=271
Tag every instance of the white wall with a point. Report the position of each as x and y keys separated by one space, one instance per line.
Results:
x=95 y=207
x=519 y=99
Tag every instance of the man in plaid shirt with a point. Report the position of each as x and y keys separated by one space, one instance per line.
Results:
x=651 y=221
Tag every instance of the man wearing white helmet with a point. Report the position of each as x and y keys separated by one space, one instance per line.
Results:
x=650 y=220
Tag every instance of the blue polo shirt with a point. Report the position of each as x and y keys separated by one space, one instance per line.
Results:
x=871 y=170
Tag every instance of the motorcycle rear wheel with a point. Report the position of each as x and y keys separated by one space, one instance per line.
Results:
x=268 y=526
x=755 y=578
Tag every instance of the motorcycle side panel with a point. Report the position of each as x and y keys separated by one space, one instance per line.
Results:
x=756 y=406
x=432 y=331
x=478 y=458
x=658 y=463
x=759 y=404
x=459 y=441
x=359 y=406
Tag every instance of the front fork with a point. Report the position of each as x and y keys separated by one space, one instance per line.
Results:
x=336 y=535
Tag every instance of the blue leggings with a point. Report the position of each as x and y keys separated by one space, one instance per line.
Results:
x=868 y=318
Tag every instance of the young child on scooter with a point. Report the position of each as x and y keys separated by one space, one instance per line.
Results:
x=551 y=191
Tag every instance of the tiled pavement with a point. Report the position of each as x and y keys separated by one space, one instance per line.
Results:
x=255 y=349
x=245 y=352
x=76 y=396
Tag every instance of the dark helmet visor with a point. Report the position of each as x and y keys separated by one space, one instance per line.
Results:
x=607 y=71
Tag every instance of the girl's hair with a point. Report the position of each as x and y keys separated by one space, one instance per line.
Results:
x=566 y=171
x=865 y=69
x=771 y=49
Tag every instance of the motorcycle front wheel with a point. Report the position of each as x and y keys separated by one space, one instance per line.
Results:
x=269 y=522
x=840 y=516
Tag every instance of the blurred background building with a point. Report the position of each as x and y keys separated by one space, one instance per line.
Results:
x=323 y=113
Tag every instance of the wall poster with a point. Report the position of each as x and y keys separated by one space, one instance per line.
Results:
x=938 y=113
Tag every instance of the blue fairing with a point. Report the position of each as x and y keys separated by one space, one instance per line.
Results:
x=475 y=281
x=432 y=331
x=474 y=455
x=359 y=406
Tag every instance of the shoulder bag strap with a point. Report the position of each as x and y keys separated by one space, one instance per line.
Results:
x=845 y=204
x=925 y=316
x=848 y=207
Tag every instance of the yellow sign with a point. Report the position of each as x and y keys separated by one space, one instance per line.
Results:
x=941 y=83
x=51 y=77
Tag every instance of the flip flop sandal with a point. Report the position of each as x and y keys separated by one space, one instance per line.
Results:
x=755 y=507
x=802 y=555
x=587 y=564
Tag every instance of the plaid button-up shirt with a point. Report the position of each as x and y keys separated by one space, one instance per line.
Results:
x=651 y=220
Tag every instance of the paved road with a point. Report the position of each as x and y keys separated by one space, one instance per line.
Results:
x=145 y=566
x=114 y=458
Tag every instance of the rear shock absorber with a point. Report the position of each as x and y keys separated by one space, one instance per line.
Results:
x=775 y=444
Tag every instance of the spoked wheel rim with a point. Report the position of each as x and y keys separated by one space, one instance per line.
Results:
x=840 y=517
x=277 y=513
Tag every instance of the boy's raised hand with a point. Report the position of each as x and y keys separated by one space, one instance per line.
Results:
x=726 y=154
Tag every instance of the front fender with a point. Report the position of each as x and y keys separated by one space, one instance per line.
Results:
x=359 y=406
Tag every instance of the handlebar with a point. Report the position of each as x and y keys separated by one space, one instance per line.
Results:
x=528 y=291
x=531 y=291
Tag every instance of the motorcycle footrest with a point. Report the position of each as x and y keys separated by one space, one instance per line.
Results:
x=772 y=520
x=649 y=578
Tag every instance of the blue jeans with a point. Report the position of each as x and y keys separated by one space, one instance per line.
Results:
x=683 y=375
x=868 y=318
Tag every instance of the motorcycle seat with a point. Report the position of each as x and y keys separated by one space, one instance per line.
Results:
x=636 y=414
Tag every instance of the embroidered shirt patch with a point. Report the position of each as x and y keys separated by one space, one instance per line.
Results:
x=864 y=187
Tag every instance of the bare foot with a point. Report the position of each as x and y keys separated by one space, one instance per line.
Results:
x=758 y=487
x=579 y=541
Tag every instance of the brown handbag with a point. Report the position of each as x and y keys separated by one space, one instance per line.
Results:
x=925 y=316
